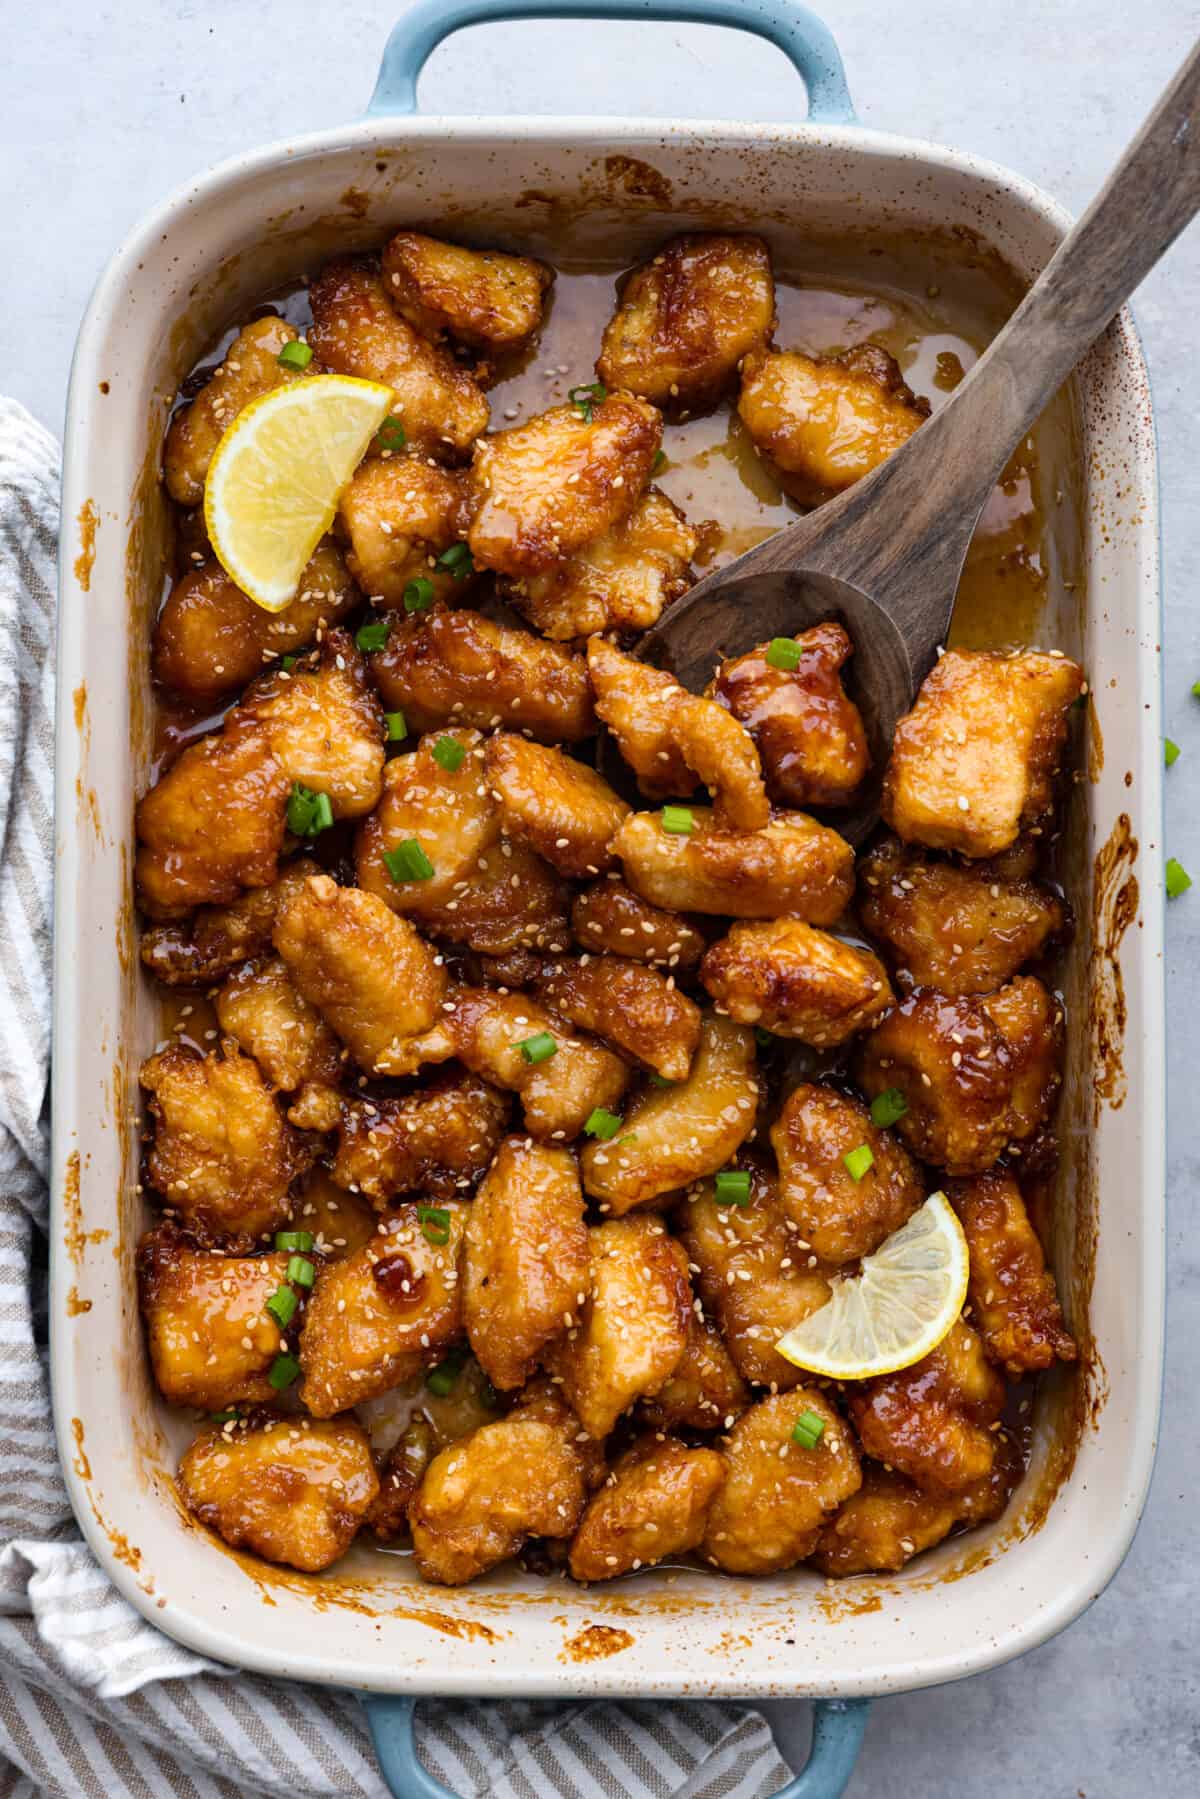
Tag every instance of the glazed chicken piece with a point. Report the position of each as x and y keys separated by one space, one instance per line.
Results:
x=977 y=1074
x=527 y=1268
x=511 y=902
x=379 y=1316
x=438 y=1140
x=448 y=811
x=636 y=1009
x=889 y=1520
x=210 y=638
x=932 y=1422
x=559 y=1091
x=1014 y=1303
x=620 y=581
x=685 y=319
x=262 y=1010
x=251 y=368
x=211 y=1340
x=755 y=1273
x=542 y=490
x=368 y=972
x=356 y=331
x=777 y=1494
x=217 y=939
x=479 y=297
x=794 y=866
x=842 y=1218
x=630 y=1334
x=825 y=422
x=671 y=1136
x=459 y=668
x=974 y=761
x=222 y=1155
x=706 y=1392
x=560 y=807
x=611 y=917
x=291 y=1490
x=796 y=982
x=809 y=734
x=655 y=1504
x=672 y=738
x=958 y=929
x=340 y=1221
x=401 y=514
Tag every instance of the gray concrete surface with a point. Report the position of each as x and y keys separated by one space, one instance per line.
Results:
x=103 y=107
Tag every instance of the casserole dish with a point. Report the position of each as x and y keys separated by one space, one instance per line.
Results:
x=576 y=188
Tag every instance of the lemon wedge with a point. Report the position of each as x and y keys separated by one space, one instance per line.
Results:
x=278 y=473
x=905 y=1299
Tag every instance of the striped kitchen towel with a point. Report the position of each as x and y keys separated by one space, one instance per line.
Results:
x=93 y=1700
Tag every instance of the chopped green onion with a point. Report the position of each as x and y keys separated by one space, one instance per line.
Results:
x=763 y=1037
x=733 y=1187
x=408 y=862
x=296 y=355
x=1196 y=689
x=808 y=1430
x=679 y=820
x=282 y=1306
x=887 y=1107
x=226 y=1417
x=785 y=653
x=602 y=1124
x=391 y=434
x=435 y=1224
x=1178 y=878
x=1170 y=751
x=397 y=726
x=301 y=1271
x=290 y=1240
x=630 y=1138
x=538 y=1048
x=283 y=1371
x=659 y=463
x=418 y=595
x=585 y=396
x=448 y=753
x=660 y=1080
x=288 y=664
x=444 y=1378
x=857 y=1161
x=308 y=813
x=456 y=561
x=373 y=636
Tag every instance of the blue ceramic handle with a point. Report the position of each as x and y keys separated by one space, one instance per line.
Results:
x=837 y=1735
x=796 y=31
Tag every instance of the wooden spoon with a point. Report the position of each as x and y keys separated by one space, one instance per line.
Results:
x=885 y=556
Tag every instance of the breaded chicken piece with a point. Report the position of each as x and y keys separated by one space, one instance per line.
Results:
x=611 y=917
x=956 y=928
x=356 y=331
x=324 y=724
x=526 y=1271
x=794 y=866
x=213 y=824
x=479 y=297
x=809 y=733
x=706 y=1392
x=291 y=1490
x=487 y=1029
x=542 y=490
x=210 y=638
x=973 y=763
x=889 y=1520
x=463 y=669
x=672 y=738
x=511 y=901
x=251 y=368
x=222 y=1155
x=560 y=807
x=655 y=1504
x=671 y=1136
x=437 y=1140
x=217 y=939
x=379 y=1316
x=448 y=812
x=685 y=319
x=976 y=1074
x=263 y=1011
x=825 y=422
x=796 y=982
x=399 y=1478
x=932 y=1421
x=542 y=1399
x=340 y=1221
x=1014 y=1303
x=483 y=1496
x=636 y=1009
x=620 y=581
x=752 y=1270
x=211 y=1340
x=368 y=972
x=400 y=514
x=633 y=1329
x=842 y=1218
x=777 y=1494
